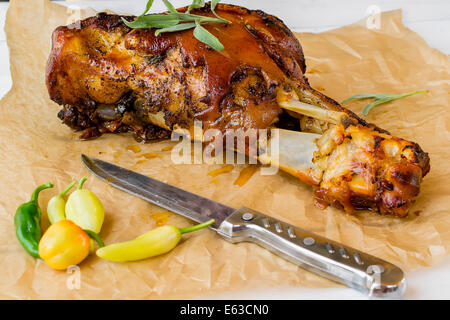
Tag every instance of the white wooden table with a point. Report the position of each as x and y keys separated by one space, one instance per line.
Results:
x=429 y=18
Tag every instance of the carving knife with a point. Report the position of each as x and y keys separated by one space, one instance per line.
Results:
x=358 y=270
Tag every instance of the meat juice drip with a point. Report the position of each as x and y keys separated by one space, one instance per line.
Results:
x=134 y=148
x=225 y=169
x=161 y=217
x=245 y=175
x=240 y=181
x=116 y=156
x=149 y=155
x=169 y=148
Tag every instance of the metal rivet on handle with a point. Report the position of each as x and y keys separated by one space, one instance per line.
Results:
x=278 y=227
x=358 y=259
x=266 y=223
x=309 y=241
x=291 y=232
x=344 y=253
x=247 y=216
x=330 y=248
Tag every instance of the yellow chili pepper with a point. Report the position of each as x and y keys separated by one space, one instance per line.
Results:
x=57 y=204
x=64 y=244
x=85 y=209
x=155 y=242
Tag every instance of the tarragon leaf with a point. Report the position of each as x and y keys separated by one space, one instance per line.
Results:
x=147 y=7
x=178 y=21
x=202 y=19
x=153 y=21
x=213 y=7
x=169 y=6
x=195 y=5
x=178 y=27
x=373 y=104
x=213 y=4
x=361 y=96
x=203 y=35
x=380 y=99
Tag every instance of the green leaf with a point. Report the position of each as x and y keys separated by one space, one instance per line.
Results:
x=147 y=7
x=178 y=27
x=153 y=21
x=398 y=96
x=213 y=4
x=169 y=6
x=380 y=99
x=202 y=19
x=178 y=21
x=195 y=5
x=131 y=24
x=213 y=7
x=370 y=106
x=360 y=96
x=203 y=35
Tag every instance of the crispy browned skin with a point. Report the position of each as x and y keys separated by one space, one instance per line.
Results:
x=361 y=168
x=104 y=64
x=110 y=78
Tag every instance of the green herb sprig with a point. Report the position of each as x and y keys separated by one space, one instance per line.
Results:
x=177 y=21
x=380 y=99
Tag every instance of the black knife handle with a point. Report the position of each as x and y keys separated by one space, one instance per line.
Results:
x=373 y=276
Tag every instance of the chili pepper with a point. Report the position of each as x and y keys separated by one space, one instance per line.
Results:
x=65 y=244
x=28 y=222
x=85 y=209
x=155 y=242
x=57 y=204
x=95 y=237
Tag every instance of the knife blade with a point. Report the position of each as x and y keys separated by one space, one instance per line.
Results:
x=161 y=194
x=366 y=273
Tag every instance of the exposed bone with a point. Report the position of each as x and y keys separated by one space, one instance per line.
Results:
x=293 y=152
x=290 y=101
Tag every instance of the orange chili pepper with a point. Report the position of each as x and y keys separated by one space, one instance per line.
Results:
x=64 y=244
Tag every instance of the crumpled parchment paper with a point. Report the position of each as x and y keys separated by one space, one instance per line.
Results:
x=36 y=148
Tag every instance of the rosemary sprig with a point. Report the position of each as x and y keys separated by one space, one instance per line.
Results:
x=379 y=99
x=177 y=21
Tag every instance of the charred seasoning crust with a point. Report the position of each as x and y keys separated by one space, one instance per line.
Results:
x=385 y=178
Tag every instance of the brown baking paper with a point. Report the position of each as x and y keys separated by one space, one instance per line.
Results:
x=37 y=148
